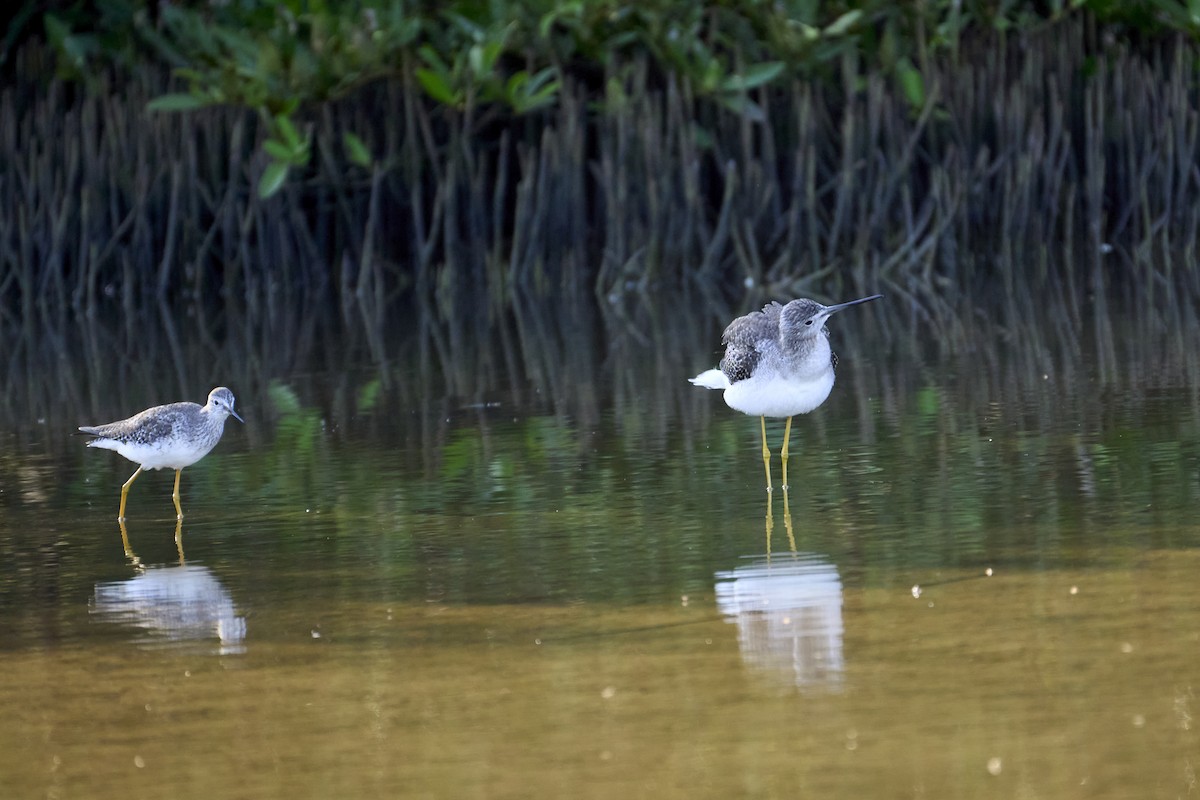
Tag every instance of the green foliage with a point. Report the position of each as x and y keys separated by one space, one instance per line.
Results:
x=356 y=150
x=277 y=56
x=283 y=58
x=274 y=55
x=179 y=101
x=911 y=83
x=272 y=178
x=1148 y=16
x=473 y=72
x=74 y=49
x=287 y=149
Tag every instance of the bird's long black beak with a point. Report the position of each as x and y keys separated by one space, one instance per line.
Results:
x=840 y=306
x=235 y=416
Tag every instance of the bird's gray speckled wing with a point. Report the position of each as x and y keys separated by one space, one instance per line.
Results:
x=744 y=339
x=151 y=425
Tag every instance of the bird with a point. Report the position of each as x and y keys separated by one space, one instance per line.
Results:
x=173 y=436
x=777 y=363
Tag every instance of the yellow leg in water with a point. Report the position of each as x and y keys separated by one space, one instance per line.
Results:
x=766 y=452
x=787 y=437
x=787 y=524
x=133 y=559
x=179 y=538
x=175 y=495
x=770 y=525
x=125 y=493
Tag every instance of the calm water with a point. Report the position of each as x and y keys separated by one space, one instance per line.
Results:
x=982 y=584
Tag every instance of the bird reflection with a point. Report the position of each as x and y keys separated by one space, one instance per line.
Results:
x=173 y=604
x=787 y=524
x=788 y=610
x=136 y=562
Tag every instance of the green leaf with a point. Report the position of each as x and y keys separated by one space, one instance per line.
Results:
x=475 y=60
x=712 y=77
x=755 y=76
x=739 y=104
x=56 y=29
x=542 y=77
x=435 y=86
x=431 y=57
x=515 y=82
x=889 y=44
x=180 y=101
x=526 y=93
x=356 y=151
x=471 y=29
x=279 y=151
x=623 y=40
x=272 y=178
x=615 y=96
x=843 y=23
x=239 y=46
x=190 y=75
x=491 y=52
x=288 y=131
x=543 y=97
x=80 y=47
x=911 y=83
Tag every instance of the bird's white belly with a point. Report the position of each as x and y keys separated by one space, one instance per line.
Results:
x=151 y=456
x=773 y=397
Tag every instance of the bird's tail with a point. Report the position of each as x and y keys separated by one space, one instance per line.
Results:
x=711 y=379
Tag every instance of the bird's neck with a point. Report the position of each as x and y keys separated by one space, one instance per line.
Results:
x=808 y=354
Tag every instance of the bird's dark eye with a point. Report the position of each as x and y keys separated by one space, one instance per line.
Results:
x=808 y=322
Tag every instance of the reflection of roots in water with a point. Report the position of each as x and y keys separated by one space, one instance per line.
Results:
x=543 y=357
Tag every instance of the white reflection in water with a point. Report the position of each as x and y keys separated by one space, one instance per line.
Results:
x=788 y=609
x=174 y=604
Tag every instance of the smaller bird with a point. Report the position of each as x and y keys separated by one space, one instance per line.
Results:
x=777 y=363
x=173 y=436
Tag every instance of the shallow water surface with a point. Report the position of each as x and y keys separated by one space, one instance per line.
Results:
x=960 y=595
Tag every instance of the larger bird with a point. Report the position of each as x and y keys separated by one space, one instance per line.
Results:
x=777 y=363
x=173 y=436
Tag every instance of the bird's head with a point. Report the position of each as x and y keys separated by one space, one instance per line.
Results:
x=220 y=401
x=804 y=318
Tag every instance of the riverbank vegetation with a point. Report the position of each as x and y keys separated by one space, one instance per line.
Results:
x=287 y=175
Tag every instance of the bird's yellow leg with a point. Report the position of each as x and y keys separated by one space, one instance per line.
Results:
x=125 y=493
x=787 y=436
x=766 y=452
x=175 y=495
